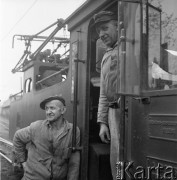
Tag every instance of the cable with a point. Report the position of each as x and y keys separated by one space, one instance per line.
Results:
x=19 y=20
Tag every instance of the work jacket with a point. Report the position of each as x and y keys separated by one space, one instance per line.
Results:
x=108 y=83
x=50 y=156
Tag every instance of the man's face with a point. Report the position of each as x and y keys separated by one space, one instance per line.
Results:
x=54 y=109
x=108 y=33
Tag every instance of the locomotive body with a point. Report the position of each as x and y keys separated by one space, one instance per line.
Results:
x=147 y=86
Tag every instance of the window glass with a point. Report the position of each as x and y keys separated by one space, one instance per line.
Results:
x=162 y=45
x=50 y=75
x=129 y=49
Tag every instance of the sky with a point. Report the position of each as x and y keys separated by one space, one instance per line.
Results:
x=25 y=17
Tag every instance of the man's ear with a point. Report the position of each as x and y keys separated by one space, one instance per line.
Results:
x=63 y=110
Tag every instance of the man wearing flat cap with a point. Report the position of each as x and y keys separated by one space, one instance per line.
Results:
x=108 y=108
x=48 y=143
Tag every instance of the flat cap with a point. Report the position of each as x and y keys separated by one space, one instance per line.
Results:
x=104 y=16
x=43 y=103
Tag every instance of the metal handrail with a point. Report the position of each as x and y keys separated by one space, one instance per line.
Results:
x=41 y=38
x=35 y=35
x=14 y=95
x=60 y=23
x=9 y=160
x=6 y=141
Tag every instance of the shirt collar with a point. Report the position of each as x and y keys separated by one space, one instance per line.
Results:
x=67 y=125
x=111 y=48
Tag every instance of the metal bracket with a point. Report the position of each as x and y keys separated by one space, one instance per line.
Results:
x=79 y=60
x=144 y=100
x=76 y=148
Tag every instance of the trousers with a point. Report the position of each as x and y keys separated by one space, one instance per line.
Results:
x=113 y=121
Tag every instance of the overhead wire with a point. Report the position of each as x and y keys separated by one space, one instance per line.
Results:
x=19 y=20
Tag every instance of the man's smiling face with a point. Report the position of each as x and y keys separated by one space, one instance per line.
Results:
x=107 y=32
x=54 y=109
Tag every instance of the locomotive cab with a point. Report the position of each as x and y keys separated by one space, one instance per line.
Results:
x=147 y=85
x=37 y=75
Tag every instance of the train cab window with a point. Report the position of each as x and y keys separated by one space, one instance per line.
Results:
x=28 y=85
x=162 y=43
x=51 y=75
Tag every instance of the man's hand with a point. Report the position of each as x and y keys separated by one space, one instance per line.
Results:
x=104 y=133
x=24 y=165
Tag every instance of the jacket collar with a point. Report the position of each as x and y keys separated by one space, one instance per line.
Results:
x=67 y=125
x=111 y=48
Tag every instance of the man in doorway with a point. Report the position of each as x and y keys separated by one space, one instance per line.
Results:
x=48 y=143
x=108 y=108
